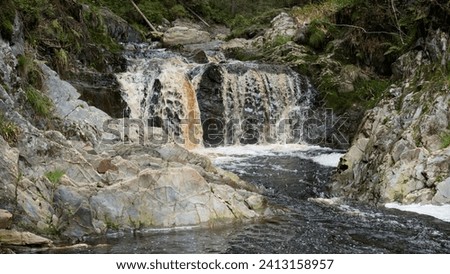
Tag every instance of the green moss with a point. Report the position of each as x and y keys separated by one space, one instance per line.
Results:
x=248 y=26
x=178 y=11
x=280 y=40
x=317 y=33
x=243 y=55
x=322 y=9
x=40 y=103
x=445 y=140
x=54 y=176
x=371 y=91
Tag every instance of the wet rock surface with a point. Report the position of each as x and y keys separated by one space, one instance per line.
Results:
x=399 y=152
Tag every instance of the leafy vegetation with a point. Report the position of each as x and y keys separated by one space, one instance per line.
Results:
x=40 y=103
x=8 y=130
x=367 y=93
x=322 y=9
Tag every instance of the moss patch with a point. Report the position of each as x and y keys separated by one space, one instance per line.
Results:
x=445 y=140
x=54 y=176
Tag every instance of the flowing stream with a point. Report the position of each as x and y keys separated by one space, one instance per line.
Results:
x=251 y=123
x=295 y=178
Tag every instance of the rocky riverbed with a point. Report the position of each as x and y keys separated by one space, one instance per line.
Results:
x=75 y=163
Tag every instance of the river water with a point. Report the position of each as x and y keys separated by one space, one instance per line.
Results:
x=168 y=88
x=295 y=179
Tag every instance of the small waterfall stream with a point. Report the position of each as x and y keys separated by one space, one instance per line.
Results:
x=218 y=103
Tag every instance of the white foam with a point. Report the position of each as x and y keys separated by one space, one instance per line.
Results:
x=331 y=159
x=441 y=212
x=230 y=154
x=256 y=150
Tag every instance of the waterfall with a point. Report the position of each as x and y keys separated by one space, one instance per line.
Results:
x=158 y=90
x=259 y=104
x=218 y=103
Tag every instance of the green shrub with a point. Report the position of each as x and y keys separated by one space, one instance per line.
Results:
x=34 y=10
x=367 y=93
x=154 y=11
x=318 y=32
x=40 y=103
x=316 y=39
x=61 y=60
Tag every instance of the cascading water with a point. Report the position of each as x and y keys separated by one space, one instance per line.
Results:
x=158 y=91
x=219 y=103
x=248 y=103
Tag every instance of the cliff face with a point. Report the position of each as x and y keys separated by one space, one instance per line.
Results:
x=401 y=151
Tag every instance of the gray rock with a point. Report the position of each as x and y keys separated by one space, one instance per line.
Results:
x=12 y=237
x=282 y=25
x=118 y=28
x=163 y=198
x=67 y=104
x=17 y=39
x=185 y=36
x=9 y=173
x=8 y=63
x=442 y=192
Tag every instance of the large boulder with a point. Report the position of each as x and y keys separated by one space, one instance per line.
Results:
x=118 y=28
x=181 y=189
x=442 y=192
x=282 y=25
x=184 y=36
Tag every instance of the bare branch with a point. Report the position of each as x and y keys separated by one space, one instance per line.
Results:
x=143 y=16
x=364 y=30
x=394 y=10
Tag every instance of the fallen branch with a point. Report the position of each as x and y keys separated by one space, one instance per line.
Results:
x=364 y=30
x=143 y=16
